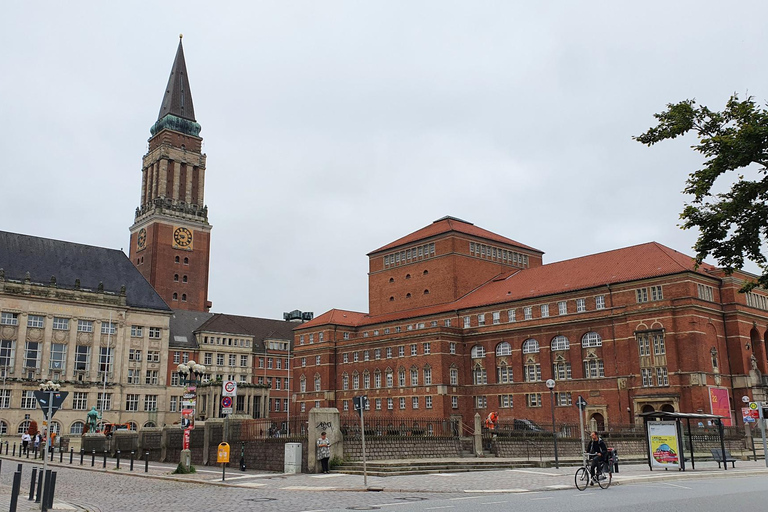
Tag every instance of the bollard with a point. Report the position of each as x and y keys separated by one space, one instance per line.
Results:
x=117 y=455
x=93 y=457
x=104 y=465
x=82 y=452
x=131 y=460
x=32 y=484
x=46 y=491
x=146 y=462
x=61 y=456
x=20 y=468
x=71 y=454
x=40 y=477
x=14 y=450
x=51 y=452
x=28 y=452
x=52 y=486
x=15 y=491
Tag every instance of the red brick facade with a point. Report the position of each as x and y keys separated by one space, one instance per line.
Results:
x=629 y=330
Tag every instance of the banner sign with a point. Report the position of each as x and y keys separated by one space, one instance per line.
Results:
x=664 y=445
x=720 y=403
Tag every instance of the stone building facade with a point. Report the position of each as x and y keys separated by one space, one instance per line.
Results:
x=467 y=322
x=82 y=316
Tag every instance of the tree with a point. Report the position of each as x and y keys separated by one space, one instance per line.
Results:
x=733 y=226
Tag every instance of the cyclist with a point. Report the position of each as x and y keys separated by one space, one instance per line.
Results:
x=598 y=454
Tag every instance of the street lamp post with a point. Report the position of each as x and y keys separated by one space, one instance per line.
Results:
x=50 y=388
x=551 y=386
x=191 y=373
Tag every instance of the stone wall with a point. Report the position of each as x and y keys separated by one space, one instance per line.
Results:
x=380 y=448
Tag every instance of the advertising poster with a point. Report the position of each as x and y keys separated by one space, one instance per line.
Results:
x=662 y=440
x=720 y=402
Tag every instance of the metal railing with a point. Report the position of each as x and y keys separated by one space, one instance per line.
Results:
x=383 y=427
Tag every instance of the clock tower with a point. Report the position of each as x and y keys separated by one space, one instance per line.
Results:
x=170 y=235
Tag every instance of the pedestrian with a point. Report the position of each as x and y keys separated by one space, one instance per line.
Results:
x=25 y=439
x=324 y=451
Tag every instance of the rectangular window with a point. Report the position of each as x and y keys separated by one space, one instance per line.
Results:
x=481 y=402
x=427 y=348
x=104 y=402
x=377 y=354
x=656 y=293
x=7 y=350
x=32 y=354
x=533 y=399
x=402 y=403
x=317 y=360
x=481 y=319
x=36 y=321
x=414 y=350
x=447 y=322
x=659 y=347
x=346 y=335
x=60 y=324
x=496 y=317
x=528 y=312
x=581 y=305
x=401 y=351
x=600 y=302
x=151 y=378
x=415 y=402
x=452 y=347
x=108 y=327
x=562 y=371
x=9 y=318
x=544 y=310
x=562 y=308
x=243 y=361
x=532 y=372
x=378 y=404
x=366 y=355
x=82 y=358
x=706 y=292
x=311 y=338
x=84 y=326
x=345 y=358
x=390 y=404
x=208 y=358
x=175 y=379
x=155 y=333
x=220 y=361
x=563 y=399
x=511 y=315
x=233 y=360
x=641 y=295
x=136 y=331
x=153 y=356
x=150 y=402
x=377 y=380
x=662 y=379
x=173 y=405
x=58 y=356
x=504 y=374
x=320 y=336
x=79 y=401
x=355 y=357
x=389 y=352
x=28 y=400
x=414 y=377
x=479 y=376
x=466 y=322
x=131 y=402
x=647 y=374
x=506 y=401
x=427 y=376
x=643 y=343
x=454 y=402
x=454 y=377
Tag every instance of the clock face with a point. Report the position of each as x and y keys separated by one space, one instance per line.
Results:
x=182 y=237
x=141 y=240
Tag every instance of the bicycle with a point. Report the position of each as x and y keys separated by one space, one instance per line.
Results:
x=603 y=474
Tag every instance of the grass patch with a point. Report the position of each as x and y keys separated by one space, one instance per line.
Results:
x=181 y=469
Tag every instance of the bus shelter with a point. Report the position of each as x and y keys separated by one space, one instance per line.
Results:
x=677 y=418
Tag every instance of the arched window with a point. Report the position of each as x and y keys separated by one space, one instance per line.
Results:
x=366 y=380
x=530 y=346
x=414 y=376
x=407 y=276
x=186 y=261
x=591 y=339
x=391 y=279
x=56 y=427
x=3 y=427
x=407 y=295
x=317 y=382
x=184 y=279
x=401 y=377
x=303 y=384
x=176 y=259
x=345 y=381
x=477 y=352
x=183 y=297
x=175 y=296
x=391 y=299
x=175 y=278
x=560 y=342
x=390 y=378
x=503 y=349
x=355 y=380
x=132 y=425
x=426 y=292
x=425 y=272
x=23 y=426
x=149 y=424
x=76 y=428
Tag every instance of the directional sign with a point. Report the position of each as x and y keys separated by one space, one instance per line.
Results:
x=229 y=388
x=581 y=403
x=42 y=399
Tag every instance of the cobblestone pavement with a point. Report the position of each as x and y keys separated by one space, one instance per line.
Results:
x=111 y=489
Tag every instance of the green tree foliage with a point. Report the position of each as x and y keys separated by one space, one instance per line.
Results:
x=733 y=226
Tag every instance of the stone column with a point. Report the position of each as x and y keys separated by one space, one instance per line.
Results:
x=201 y=186
x=323 y=420
x=478 y=436
x=188 y=185
x=176 y=178
x=163 y=180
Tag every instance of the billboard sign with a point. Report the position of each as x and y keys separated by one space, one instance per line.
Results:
x=720 y=403
x=663 y=444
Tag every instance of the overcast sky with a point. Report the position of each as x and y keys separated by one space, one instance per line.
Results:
x=334 y=128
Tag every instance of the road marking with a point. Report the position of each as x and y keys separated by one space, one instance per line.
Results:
x=559 y=486
x=444 y=474
x=496 y=490
x=436 y=508
x=306 y=488
x=493 y=502
x=250 y=484
x=391 y=504
x=676 y=485
x=535 y=472
x=329 y=475
x=544 y=498
x=465 y=498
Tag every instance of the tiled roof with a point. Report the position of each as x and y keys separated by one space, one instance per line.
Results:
x=67 y=261
x=446 y=225
x=612 y=267
x=259 y=328
x=335 y=317
x=183 y=326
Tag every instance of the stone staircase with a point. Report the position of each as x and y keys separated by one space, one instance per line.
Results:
x=426 y=466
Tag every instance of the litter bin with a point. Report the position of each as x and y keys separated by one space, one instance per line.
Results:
x=292 y=458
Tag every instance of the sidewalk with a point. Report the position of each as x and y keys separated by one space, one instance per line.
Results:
x=497 y=481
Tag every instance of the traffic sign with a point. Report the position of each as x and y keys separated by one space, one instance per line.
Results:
x=226 y=401
x=749 y=415
x=581 y=403
x=229 y=388
x=753 y=406
x=226 y=410
x=42 y=399
x=359 y=403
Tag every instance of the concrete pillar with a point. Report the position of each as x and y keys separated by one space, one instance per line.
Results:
x=164 y=443
x=324 y=420
x=478 y=436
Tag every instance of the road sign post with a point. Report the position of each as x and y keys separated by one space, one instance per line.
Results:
x=761 y=414
x=359 y=403
x=582 y=404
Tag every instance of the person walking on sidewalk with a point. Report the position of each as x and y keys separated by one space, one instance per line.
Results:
x=324 y=451
x=25 y=439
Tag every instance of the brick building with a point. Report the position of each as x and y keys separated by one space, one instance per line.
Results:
x=465 y=321
x=170 y=236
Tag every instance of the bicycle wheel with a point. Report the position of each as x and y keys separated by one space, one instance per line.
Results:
x=582 y=478
x=604 y=480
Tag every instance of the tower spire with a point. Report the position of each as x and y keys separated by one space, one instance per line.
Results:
x=177 y=111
